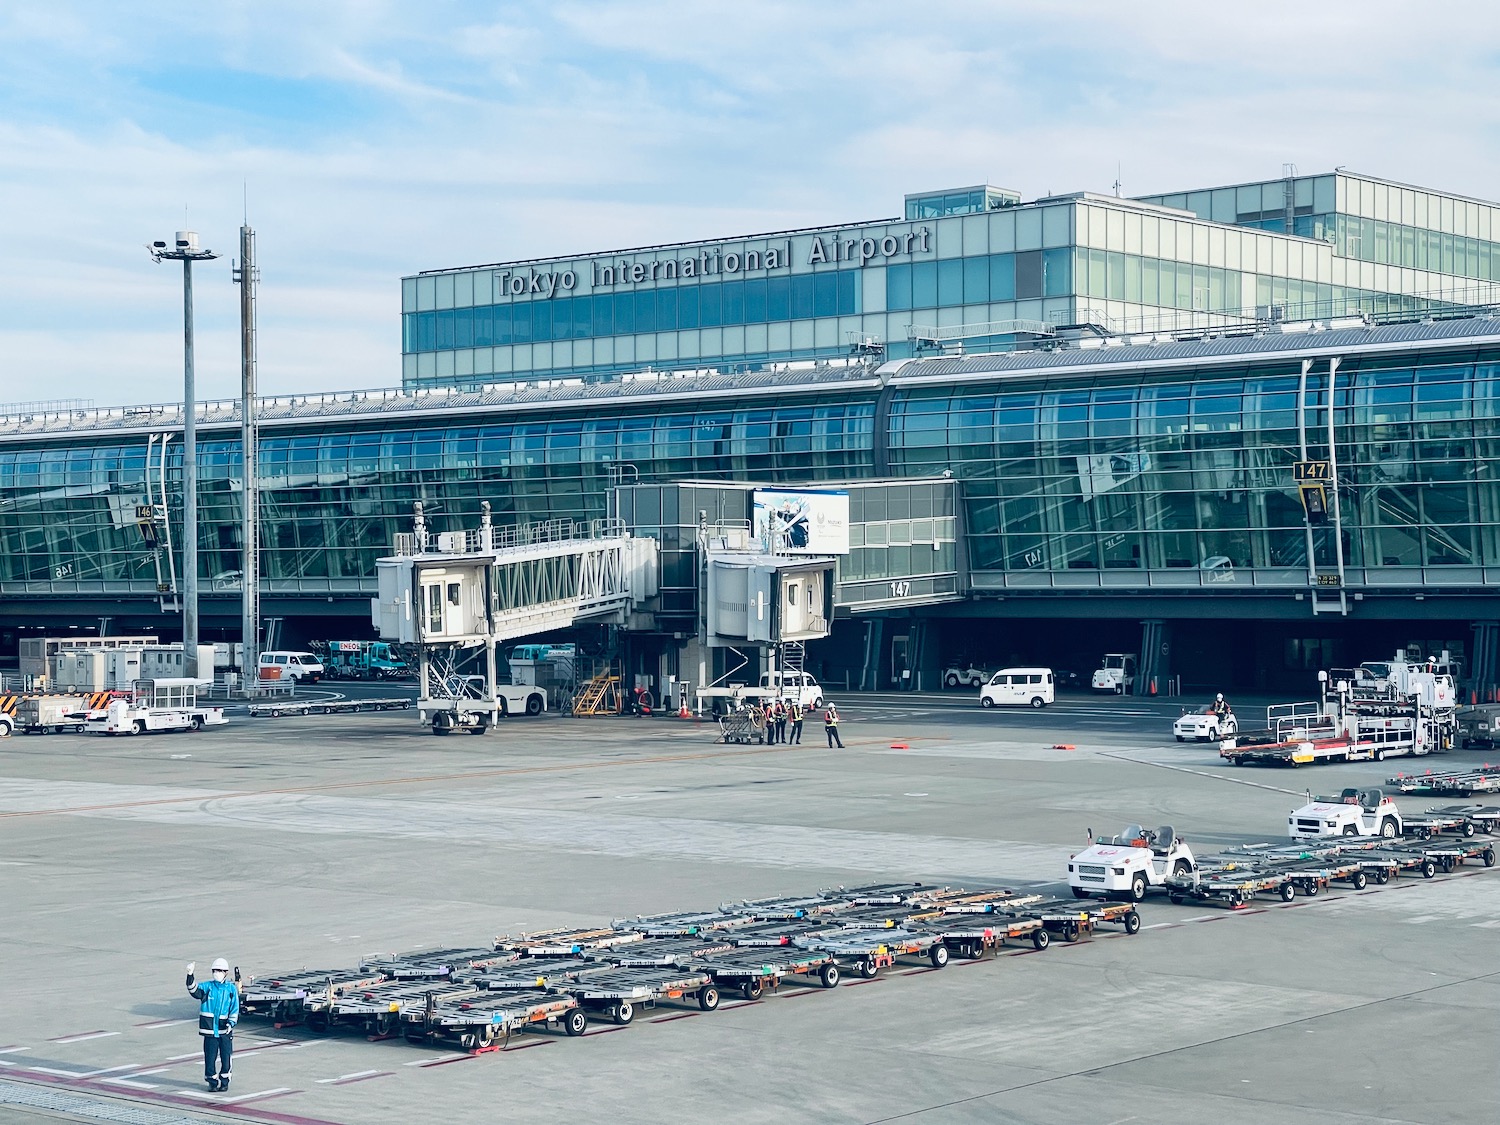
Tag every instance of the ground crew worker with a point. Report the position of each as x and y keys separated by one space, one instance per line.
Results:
x=1221 y=707
x=780 y=716
x=831 y=726
x=796 y=717
x=218 y=1011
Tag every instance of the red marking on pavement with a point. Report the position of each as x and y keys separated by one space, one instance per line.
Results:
x=153 y=1098
x=445 y=1062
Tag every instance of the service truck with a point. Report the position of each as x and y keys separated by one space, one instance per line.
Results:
x=1116 y=673
x=1355 y=812
x=1127 y=865
x=156 y=705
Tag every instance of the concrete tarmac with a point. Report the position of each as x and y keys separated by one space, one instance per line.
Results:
x=308 y=842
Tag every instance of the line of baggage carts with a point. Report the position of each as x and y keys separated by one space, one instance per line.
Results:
x=556 y=981
x=1236 y=876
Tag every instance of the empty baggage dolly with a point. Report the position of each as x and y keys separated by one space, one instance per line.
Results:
x=283 y=997
x=750 y=971
x=489 y=1019
x=874 y=949
x=618 y=992
x=378 y=1009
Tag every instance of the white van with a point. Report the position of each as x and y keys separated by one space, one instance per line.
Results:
x=1018 y=687
x=798 y=687
x=296 y=666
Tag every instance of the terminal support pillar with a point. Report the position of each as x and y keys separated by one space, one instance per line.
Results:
x=1155 y=663
x=1484 y=663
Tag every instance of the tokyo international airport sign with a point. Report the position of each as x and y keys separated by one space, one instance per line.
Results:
x=808 y=522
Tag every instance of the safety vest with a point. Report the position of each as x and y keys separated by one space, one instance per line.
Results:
x=830 y=718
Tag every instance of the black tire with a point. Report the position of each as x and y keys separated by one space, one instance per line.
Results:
x=828 y=975
x=708 y=998
x=1175 y=899
x=1310 y=889
x=1040 y=939
x=1383 y=876
x=1182 y=867
x=1350 y=830
x=1037 y=703
x=1181 y=739
x=986 y=701
x=1119 y=689
x=198 y=725
x=753 y=988
x=317 y=1023
x=1138 y=887
x=533 y=704
x=1488 y=855
x=1468 y=829
x=1079 y=892
x=1287 y=891
x=1358 y=880
x=869 y=969
x=138 y=727
x=938 y=955
x=1429 y=869
x=1388 y=828
x=622 y=1013
x=1071 y=931
x=1132 y=922
x=950 y=680
x=576 y=1022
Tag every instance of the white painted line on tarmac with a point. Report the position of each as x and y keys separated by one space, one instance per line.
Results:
x=434 y=1060
x=183 y=1058
x=130 y=1083
x=347 y=1077
x=12 y=1050
x=161 y=1023
x=85 y=1037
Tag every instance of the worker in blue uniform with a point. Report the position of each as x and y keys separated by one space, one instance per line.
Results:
x=218 y=1012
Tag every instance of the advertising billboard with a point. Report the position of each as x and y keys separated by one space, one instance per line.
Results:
x=804 y=522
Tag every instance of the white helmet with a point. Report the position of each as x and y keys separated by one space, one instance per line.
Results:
x=220 y=965
x=1219 y=698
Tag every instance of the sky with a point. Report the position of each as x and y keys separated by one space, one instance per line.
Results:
x=368 y=139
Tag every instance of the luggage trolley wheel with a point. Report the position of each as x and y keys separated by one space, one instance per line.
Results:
x=1310 y=889
x=753 y=988
x=622 y=1013
x=576 y=1022
x=1287 y=891
x=868 y=968
x=317 y=1023
x=1071 y=931
x=1132 y=922
x=1040 y=939
x=1358 y=880
x=1383 y=876
x=938 y=955
x=708 y=998
x=828 y=975
x=1429 y=869
x=1488 y=856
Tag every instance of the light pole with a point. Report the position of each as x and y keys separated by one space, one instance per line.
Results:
x=185 y=249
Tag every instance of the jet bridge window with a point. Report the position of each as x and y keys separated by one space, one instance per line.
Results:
x=454 y=596
x=434 y=609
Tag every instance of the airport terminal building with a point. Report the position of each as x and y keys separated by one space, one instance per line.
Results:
x=1067 y=425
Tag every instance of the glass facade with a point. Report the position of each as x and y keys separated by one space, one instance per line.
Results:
x=1156 y=469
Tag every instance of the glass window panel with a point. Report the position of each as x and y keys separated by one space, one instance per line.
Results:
x=976 y=280
x=687 y=306
x=756 y=306
x=951 y=282
x=666 y=310
x=826 y=293
x=710 y=306
x=803 y=286
x=778 y=298
x=924 y=293
x=1002 y=277
x=732 y=294
x=849 y=292
x=1028 y=274
x=1058 y=267
x=897 y=287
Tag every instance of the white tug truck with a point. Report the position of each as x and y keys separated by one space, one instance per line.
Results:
x=1128 y=865
x=1116 y=674
x=1356 y=812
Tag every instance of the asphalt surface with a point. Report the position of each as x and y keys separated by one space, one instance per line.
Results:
x=308 y=842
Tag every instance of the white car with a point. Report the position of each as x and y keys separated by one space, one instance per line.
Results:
x=964 y=675
x=1127 y=865
x=1205 y=726
x=1018 y=687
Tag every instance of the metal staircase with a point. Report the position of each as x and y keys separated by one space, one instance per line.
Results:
x=601 y=695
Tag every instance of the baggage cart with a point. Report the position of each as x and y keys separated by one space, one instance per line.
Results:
x=751 y=971
x=284 y=997
x=565 y=942
x=870 y=950
x=742 y=727
x=489 y=1020
x=619 y=992
x=377 y=1010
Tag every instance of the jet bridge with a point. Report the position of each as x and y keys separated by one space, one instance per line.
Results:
x=458 y=594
